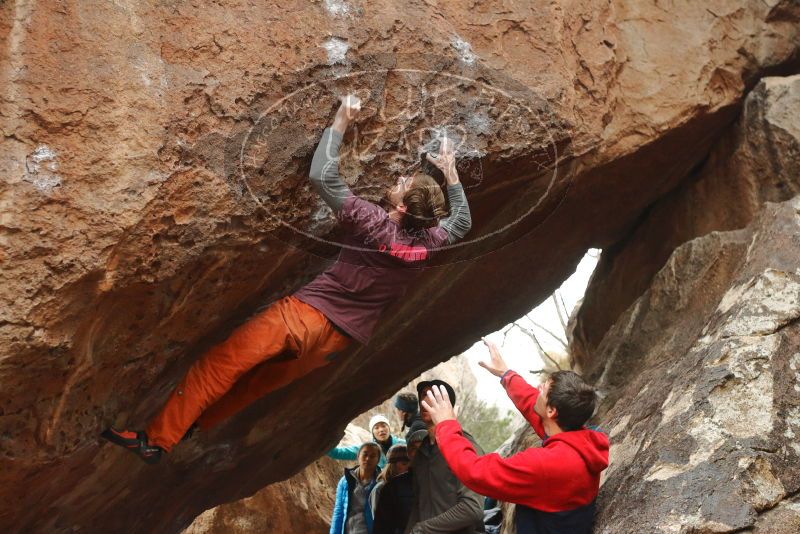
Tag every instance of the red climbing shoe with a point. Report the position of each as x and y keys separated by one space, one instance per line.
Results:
x=136 y=442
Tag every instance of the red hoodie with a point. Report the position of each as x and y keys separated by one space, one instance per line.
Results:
x=563 y=474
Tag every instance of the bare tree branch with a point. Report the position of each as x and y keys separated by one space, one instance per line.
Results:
x=505 y=331
x=564 y=307
x=561 y=318
x=555 y=363
x=552 y=334
x=533 y=337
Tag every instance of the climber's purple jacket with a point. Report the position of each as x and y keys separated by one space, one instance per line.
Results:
x=379 y=259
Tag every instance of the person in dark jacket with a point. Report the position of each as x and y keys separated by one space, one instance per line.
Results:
x=442 y=504
x=407 y=406
x=393 y=505
x=352 y=513
x=397 y=464
x=555 y=485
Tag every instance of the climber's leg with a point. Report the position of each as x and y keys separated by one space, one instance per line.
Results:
x=264 y=336
x=320 y=341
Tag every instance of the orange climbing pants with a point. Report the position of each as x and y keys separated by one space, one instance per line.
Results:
x=229 y=376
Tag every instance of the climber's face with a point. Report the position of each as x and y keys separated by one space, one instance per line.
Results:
x=380 y=432
x=396 y=192
x=368 y=459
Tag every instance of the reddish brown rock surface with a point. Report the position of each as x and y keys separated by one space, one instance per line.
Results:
x=301 y=504
x=756 y=161
x=148 y=194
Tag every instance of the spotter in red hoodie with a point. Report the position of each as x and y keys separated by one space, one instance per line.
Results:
x=554 y=485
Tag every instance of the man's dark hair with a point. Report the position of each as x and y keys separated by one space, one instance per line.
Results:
x=573 y=398
x=367 y=445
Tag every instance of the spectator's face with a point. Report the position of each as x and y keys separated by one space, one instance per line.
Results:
x=423 y=413
x=400 y=466
x=380 y=431
x=412 y=449
x=368 y=459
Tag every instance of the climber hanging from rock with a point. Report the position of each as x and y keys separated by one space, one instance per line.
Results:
x=384 y=252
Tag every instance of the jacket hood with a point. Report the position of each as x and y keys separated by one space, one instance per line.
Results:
x=591 y=445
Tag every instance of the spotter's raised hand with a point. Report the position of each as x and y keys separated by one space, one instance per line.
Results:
x=437 y=404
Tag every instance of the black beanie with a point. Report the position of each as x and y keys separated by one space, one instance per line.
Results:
x=430 y=383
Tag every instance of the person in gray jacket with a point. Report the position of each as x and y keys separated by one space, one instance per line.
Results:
x=442 y=504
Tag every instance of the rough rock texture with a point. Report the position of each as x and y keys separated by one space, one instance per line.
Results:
x=756 y=161
x=700 y=374
x=304 y=503
x=150 y=191
x=703 y=387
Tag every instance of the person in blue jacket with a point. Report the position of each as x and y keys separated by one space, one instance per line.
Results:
x=381 y=435
x=352 y=513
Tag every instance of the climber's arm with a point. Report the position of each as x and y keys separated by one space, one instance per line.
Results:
x=324 y=173
x=459 y=222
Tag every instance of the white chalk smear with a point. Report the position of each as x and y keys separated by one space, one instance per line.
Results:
x=45 y=153
x=479 y=122
x=464 y=50
x=337 y=8
x=456 y=135
x=336 y=49
x=40 y=169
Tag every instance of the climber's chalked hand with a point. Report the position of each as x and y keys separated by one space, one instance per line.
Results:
x=445 y=161
x=348 y=109
x=350 y=105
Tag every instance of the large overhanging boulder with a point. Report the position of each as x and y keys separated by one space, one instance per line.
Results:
x=154 y=196
x=754 y=162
